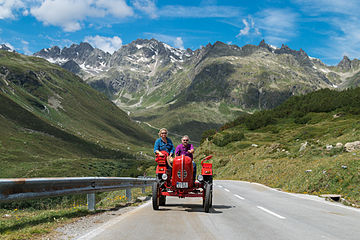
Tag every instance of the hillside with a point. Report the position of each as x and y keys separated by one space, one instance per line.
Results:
x=190 y=91
x=299 y=146
x=54 y=124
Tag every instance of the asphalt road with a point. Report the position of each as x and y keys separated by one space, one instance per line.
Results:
x=240 y=210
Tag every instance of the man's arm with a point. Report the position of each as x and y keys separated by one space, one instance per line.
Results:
x=177 y=150
x=191 y=150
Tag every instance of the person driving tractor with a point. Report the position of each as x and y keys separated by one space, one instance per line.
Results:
x=163 y=143
x=187 y=149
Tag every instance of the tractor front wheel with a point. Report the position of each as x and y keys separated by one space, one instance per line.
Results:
x=208 y=197
x=155 y=196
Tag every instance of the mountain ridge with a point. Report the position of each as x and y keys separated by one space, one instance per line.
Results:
x=146 y=75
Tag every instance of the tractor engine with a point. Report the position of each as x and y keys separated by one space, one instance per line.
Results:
x=182 y=172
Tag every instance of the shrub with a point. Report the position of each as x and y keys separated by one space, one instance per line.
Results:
x=224 y=139
x=302 y=120
x=208 y=134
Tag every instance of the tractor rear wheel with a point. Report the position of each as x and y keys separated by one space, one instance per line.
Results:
x=155 y=196
x=208 y=197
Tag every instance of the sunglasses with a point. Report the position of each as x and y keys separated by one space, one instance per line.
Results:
x=163 y=133
x=185 y=140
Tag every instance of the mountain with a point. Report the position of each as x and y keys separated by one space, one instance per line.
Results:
x=54 y=124
x=81 y=59
x=189 y=91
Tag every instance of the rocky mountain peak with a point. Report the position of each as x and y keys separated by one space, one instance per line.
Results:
x=345 y=64
x=77 y=51
x=6 y=48
x=263 y=44
x=49 y=53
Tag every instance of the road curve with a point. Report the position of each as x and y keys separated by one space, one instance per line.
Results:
x=241 y=210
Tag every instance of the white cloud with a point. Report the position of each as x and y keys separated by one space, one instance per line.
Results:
x=245 y=30
x=147 y=6
x=107 y=44
x=7 y=8
x=199 y=12
x=343 y=20
x=249 y=28
x=69 y=14
x=277 y=25
x=117 y=8
x=315 y=7
x=25 y=47
x=178 y=43
x=346 y=41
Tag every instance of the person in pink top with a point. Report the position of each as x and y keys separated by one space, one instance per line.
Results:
x=187 y=149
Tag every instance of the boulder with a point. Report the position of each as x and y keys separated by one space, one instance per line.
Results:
x=339 y=145
x=352 y=146
x=329 y=147
x=303 y=146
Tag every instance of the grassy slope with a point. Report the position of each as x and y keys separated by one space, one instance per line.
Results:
x=85 y=135
x=278 y=162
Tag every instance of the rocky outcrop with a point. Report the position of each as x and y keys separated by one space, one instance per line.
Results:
x=352 y=146
x=6 y=48
x=71 y=66
x=345 y=64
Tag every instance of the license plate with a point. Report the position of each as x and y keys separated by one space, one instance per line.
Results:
x=182 y=185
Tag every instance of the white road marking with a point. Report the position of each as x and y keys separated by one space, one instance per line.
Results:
x=220 y=186
x=303 y=196
x=239 y=197
x=226 y=189
x=272 y=213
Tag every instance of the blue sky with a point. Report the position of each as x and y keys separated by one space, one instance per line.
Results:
x=325 y=29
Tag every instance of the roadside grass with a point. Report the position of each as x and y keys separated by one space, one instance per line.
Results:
x=272 y=156
x=29 y=220
x=33 y=224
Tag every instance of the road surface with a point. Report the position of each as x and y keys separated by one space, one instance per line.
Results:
x=241 y=210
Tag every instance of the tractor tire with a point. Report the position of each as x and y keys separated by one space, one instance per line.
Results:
x=162 y=200
x=211 y=189
x=208 y=197
x=155 y=196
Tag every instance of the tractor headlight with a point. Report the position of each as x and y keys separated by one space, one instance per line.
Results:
x=164 y=176
x=200 y=178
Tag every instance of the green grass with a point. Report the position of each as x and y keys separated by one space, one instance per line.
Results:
x=38 y=219
x=277 y=161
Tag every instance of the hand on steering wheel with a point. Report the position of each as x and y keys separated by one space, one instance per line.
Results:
x=169 y=160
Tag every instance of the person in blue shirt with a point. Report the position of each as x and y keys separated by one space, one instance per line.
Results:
x=164 y=143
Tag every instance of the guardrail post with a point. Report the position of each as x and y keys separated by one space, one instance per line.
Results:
x=128 y=194
x=143 y=190
x=91 y=201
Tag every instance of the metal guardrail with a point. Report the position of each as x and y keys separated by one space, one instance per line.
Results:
x=28 y=188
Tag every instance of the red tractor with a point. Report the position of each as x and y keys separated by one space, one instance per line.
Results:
x=179 y=180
